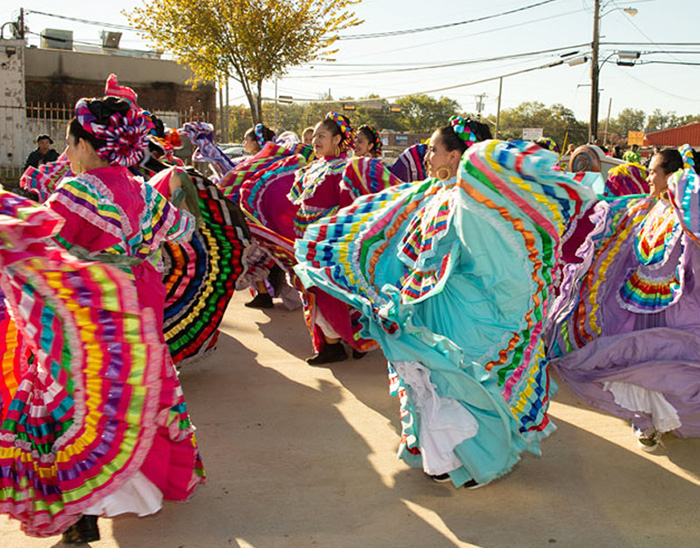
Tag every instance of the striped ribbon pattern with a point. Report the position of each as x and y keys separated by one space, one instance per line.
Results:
x=83 y=417
x=514 y=185
x=627 y=179
x=200 y=275
x=231 y=183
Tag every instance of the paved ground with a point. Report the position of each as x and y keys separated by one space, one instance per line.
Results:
x=300 y=457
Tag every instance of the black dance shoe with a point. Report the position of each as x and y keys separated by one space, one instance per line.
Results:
x=82 y=532
x=331 y=353
x=261 y=300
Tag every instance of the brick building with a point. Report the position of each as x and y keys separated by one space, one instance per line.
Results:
x=61 y=76
x=402 y=140
x=41 y=84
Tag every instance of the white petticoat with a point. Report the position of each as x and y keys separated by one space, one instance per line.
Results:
x=642 y=400
x=443 y=423
x=137 y=496
x=325 y=326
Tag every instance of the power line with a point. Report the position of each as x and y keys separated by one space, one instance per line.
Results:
x=647 y=84
x=446 y=88
x=663 y=51
x=85 y=21
x=652 y=43
x=471 y=35
x=685 y=63
x=629 y=19
x=95 y=44
x=444 y=65
x=438 y=27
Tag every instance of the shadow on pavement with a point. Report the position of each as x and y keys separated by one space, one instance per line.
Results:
x=286 y=468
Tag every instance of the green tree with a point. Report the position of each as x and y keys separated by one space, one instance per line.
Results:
x=424 y=114
x=248 y=40
x=557 y=122
x=238 y=122
x=628 y=120
x=688 y=119
x=658 y=121
x=297 y=116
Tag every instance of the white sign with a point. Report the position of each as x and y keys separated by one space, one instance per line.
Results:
x=532 y=133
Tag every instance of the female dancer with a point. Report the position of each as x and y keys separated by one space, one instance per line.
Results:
x=318 y=192
x=367 y=142
x=624 y=332
x=451 y=276
x=94 y=419
x=256 y=137
x=269 y=173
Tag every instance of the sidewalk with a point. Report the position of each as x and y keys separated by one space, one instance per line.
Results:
x=300 y=457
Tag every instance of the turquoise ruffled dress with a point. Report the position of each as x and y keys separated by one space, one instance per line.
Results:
x=453 y=279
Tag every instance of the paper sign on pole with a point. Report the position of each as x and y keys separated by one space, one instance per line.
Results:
x=532 y=133
x=635 y=138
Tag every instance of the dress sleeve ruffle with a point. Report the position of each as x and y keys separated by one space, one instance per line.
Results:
x=44 y=179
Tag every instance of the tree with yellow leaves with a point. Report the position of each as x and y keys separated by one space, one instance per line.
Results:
x=248 y=40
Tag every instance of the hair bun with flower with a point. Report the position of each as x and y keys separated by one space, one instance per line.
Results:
x=117 y=120
x=376 y=138
x=347 y=136
x=462 y=128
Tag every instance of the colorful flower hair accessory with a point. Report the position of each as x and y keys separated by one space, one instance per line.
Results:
x=258 y=131
x=687 y=153
x=119 y=121
x=347 y=136
x=375 y=138
x=125 y=134
x=547 y=143
x=461 y=127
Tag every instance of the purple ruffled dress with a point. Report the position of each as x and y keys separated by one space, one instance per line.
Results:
x=624 y=331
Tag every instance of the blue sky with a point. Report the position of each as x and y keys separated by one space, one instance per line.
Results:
x=558 y=24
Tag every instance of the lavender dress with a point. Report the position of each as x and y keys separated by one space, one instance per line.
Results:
x=624 y=332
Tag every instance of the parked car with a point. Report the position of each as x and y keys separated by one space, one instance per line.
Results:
x=233 y=151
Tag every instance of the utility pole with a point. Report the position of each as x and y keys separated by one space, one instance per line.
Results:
x=607 y=123
x=227 y=124
x=595 y=71
x=276 y=104
x=480 y=104
x=221 y=112
x=498 y=110
x=21 y=23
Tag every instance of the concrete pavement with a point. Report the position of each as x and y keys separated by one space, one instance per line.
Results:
x=300 y=457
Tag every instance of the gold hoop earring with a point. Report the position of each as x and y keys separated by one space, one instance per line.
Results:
x=444 y=175
x=80 y=167
x=337 y=150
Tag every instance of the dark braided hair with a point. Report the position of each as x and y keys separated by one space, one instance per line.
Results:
x=373 y=137
x=671 y=160
x=452 y=141
x=102 y=109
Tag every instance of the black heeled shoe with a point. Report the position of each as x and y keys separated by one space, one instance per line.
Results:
x=331 y=353
x=82 y=532
x=261 y=300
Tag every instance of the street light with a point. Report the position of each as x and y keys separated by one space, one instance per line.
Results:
x=595 y=69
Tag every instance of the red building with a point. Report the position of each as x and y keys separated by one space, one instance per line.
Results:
x=675 y=137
